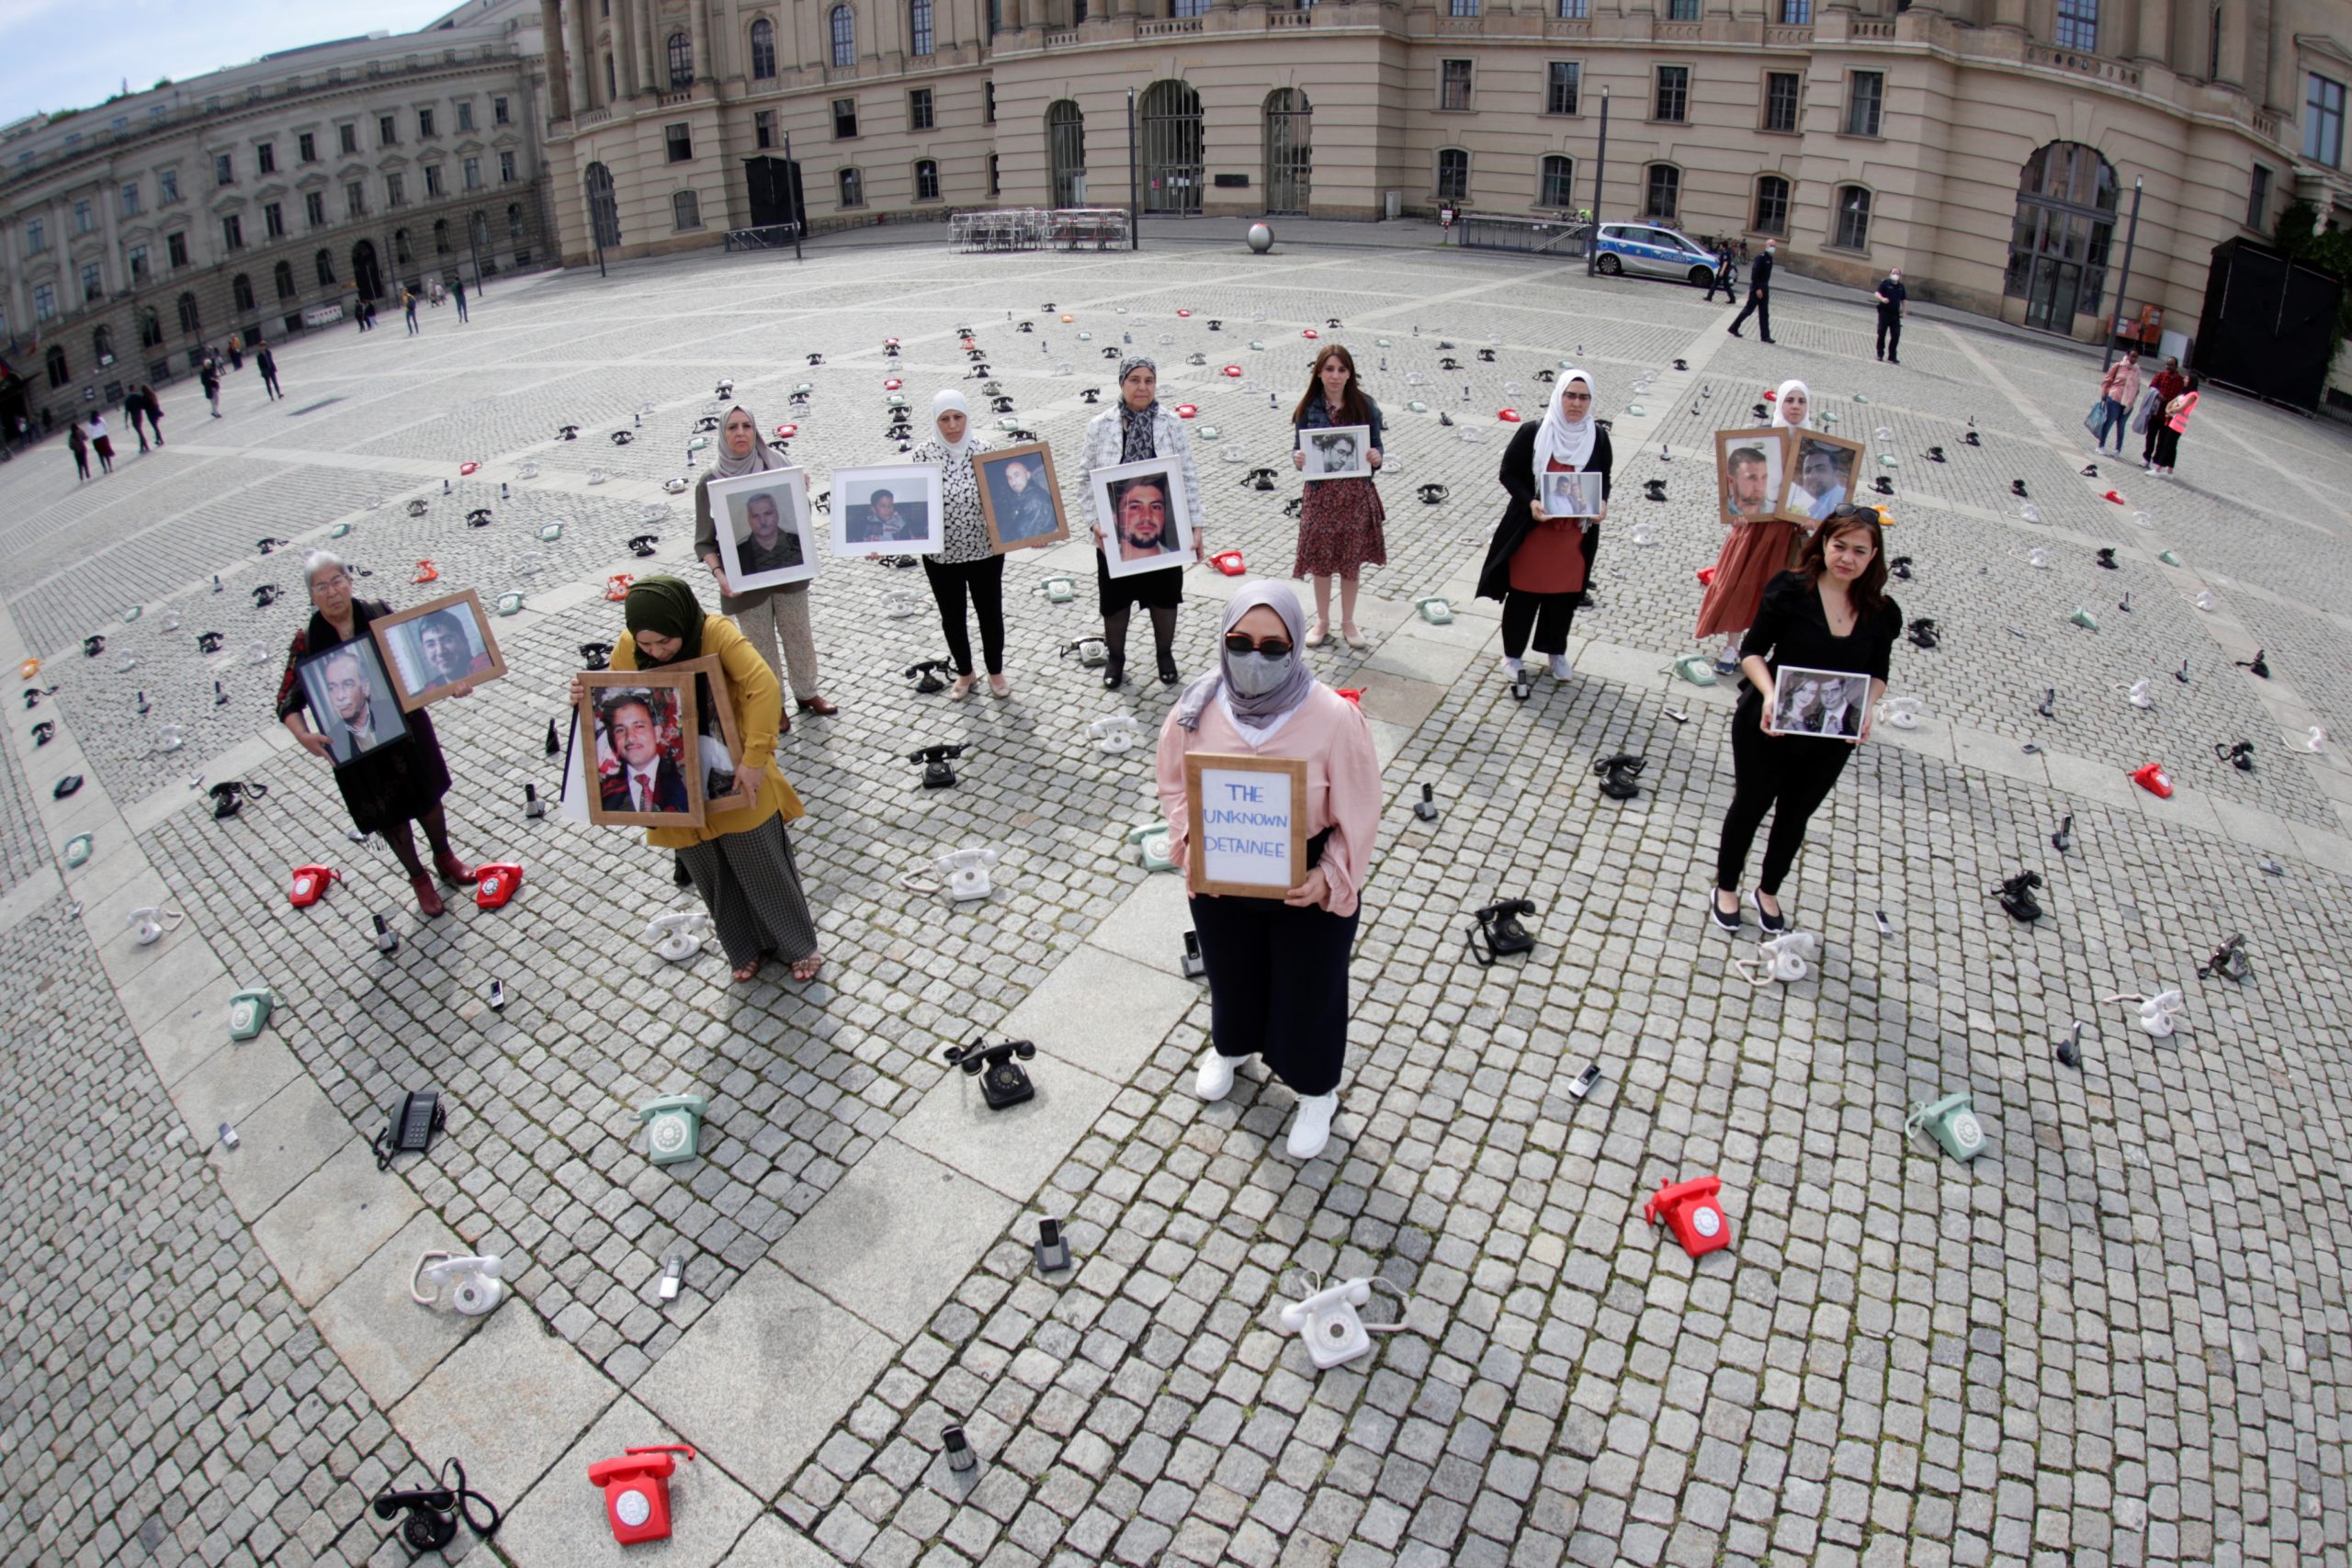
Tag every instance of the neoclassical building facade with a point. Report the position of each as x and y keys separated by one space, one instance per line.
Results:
x=134 y=234
x=1991 y=148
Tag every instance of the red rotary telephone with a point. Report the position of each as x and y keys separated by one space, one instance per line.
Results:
x=637 y=1491
x=310 y=884
x=501 y=880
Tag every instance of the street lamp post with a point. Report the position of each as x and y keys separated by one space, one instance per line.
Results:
x=792 y=188
x=1600 y=173
x=2131 y=239
x=1134 y=233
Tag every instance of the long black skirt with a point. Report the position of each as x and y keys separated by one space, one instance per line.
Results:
x=1278 y=986
x=1159 y=590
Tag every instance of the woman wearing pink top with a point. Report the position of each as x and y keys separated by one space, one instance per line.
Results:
x=1278 y=970
x=2174 y=417
x=2118 y=389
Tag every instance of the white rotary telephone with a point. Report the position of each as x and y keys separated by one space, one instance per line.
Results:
x=1327 y=1320
x=473 y=1283
x=677 y=937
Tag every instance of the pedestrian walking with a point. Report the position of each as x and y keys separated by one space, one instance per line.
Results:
x=134 y=408
x=2168 y=384
x=965 y=566
x=1891 y=298
x=1277 y=968
x=154 y=410
x=101 y=443
x=1340 y=521
x=1721 y=279
x=1539 y=565
x=236 y=351
x=1137 y=429
x=79 y=445
x=210 y=379
x=2173 y=425
x=775 y=619
x=1759 y=294
x=2118 y=394
x=267 y=363
x=408 y=308
x=1754 y=552
x=1830 y=613
x=457 y=291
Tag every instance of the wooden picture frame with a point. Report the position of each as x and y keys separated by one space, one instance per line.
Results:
x=722 y=698
x=415 y=651
x=1210 y=870
x=673 y=712
x=734 y=521
x=380 y=701
x=1013 y=520
x=1732 y=493
x=1801 y=505
x=1174 y=543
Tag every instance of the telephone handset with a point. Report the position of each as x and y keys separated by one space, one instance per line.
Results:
x=229 y=796
x=416 y=1121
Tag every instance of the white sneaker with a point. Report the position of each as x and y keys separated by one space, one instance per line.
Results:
x=1516 y=668
x=1561 y=667
x=1216 y=1080
x=1310 y=1125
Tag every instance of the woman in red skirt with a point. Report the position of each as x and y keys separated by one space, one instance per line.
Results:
x=1339 y=522
x=1754 y=553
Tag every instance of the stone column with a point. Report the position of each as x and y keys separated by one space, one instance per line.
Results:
x=559 y=59
x=653 y=68
x=698 y=27
x=624 y=46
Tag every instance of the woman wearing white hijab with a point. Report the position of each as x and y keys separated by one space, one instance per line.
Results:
x=775 y=620
x=965 y=564
x=1539 y=565
x=1278 y=967
x=1755 y=551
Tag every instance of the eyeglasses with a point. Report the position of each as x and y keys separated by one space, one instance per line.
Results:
x=1272 y=646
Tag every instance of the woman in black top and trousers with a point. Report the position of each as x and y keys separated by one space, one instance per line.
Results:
x=1830 y=612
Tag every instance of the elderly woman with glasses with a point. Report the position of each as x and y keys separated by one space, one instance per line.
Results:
x=393 y=784
x=1278 y=964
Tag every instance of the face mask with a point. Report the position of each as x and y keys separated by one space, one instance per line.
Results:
x=1255 y=674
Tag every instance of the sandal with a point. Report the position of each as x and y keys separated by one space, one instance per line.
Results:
x=747 y=973
x=805 y=969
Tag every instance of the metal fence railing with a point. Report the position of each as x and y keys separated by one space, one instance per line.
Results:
x=1541 y=236
x=1036 y=228
x=768 y=237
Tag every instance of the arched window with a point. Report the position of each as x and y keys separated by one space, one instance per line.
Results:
x=440 y=236
x=764 y=50
x=101 y=345
x=284 y=281
x=1853 y=219
x=919 y=24
x=58 y=373
x=853 y=188
x=844 y=27
x=1557 y=184
x=1168 y=119
x=1662 y=193
x=151 y=329
x=477 y=229
x=685 y=207
x=402 y=255
x=1771 y=206
x=242 y=290
x=1453 y=175
x=515 y=220
x=2058 y=245
x=191 y=323
x=926 y=180
x=324 y=262
x=1290 y=149
x=681 y=61
x=1066 y=152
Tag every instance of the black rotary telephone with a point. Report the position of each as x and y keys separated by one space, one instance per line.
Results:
x=2228 y=960
x=1294 y=506
x=642 y=546
x=1026 y=327
x=420 y=506
x=1110 y=354
x=1332 y=322
x=1020 y=436
x=1936 y=454
x=623 y=438
x=816 y=359
x=928 y=675
x=1431 y=494
x=1923 y=633
x=1620 y=775
x=705 y=425
x=2017 y=895
x=1001 y=405
x=937 y=773
x=1971 y=439
x=1257 y=479
x=1448 y=362
x=1092 y=395
x=2106 y=559
x=823 y=500
x=229 y=796
x=1547 y=377
x=67 y=786
x=1900 y=568
x=415 y=1122
x=1003 y=1084
x=799 y=399
x=93 y=645
x=1503 y=936
x=1881 y=485
x=478 y=518
x=430 y=1513
x=2240 y=756
x=2016 y=488
x=1215 y=324
x=1654 y=489
x=44 y=732
x=2258 y=664
x=567 y=433
x=267 y=545
x=1486 y=356
x=596 y=655
x=264 y=596
x=975 y=355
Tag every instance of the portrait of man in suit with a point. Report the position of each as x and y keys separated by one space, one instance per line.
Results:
x=649 y=779
x=352 y=699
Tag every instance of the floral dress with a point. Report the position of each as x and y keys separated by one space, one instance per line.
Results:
x=1340 y=520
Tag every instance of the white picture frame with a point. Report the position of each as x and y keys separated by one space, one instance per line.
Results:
x=1338 y=452
x=740 y=506
x=1571 y=495
x=915 y=525
x=1124 y=485
x=1819 y=705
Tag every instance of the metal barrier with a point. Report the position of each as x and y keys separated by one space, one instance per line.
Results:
x=1541 y=236
x=1036 y=228
x=769 y=237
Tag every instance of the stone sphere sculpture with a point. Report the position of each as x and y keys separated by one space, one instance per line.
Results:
x=1261 y=239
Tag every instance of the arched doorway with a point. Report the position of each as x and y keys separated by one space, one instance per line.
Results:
x=603 y=211
x=366 y=277
x=1289 y=149
x=1065 y=152
x=1169 y=112
x=2058 y=245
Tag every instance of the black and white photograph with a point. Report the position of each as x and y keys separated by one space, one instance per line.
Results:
x=1141 y=516
x=352 y=700
x=1019 y=500
x=1572 y=495
x=1821 y=477
x=888 y=511
x=1342 y=452
x=1826 y=703
x=438 y=648
x=767 y=533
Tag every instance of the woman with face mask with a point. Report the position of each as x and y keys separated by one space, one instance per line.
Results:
x=1137 y=429
x=1278 y=968
x=775 y=620
x=1539 y=565
x=1755 y=551
x=964 y=565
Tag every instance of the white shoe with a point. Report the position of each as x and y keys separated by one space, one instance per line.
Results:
x=1516 y=668
x=1216 y=1080
x=1561 y=667
x=1310 y=1125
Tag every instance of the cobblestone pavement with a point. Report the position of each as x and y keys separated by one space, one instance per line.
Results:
x=2116 y=1337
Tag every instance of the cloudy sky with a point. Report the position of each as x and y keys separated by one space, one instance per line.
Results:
x=58 y=54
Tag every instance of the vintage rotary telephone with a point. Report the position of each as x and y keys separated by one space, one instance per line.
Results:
x=708 y=423
x=967 y=873
x=426 y=571
x=1153 y=850
x=1328 y=1322
x=510 y=603
x=1902 y=713
x=432 y=1512
x=567 y=433
x=1654 y=489
x=1435 y=611
x=415 y=1122
x=637 y=1484
x=249 y=1011
x=1092 y=395
x=642 y=546
x=899 y=604
x=1059 y=588
x=2017 y=895
x=1503 y=936
x=264 y=596
x=623 y=438
x=2139 y=694
x=473 y=1283
x=1923 y=633
x=672 y=1127
x=1000 y=405
x=208 y=642
x=1092 y=653
x=1431 y=494
x=1788 y=957
x=929 y=676
x=67 y=786
x=256 y=652
x=1622 y=774
x=44 y=732
x=595 y=655
x=677 y=937
x=2156 y=1012
x=1486 y=356
x=937 y=773
x=93 y=645
x=168 y=738
x=1115 y=735
x=149 y=923
x=2239 y=756
x=1448 y=362
x=2229 y=961
x=499 y=882
x=479 y=517
x=1951 y=1122
x=310 y=884
x=229 y=796
x=1002 y=1083
x=1257 y=479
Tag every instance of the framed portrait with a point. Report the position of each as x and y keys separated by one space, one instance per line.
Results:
x=1342 y=452
x=1821 y=472
x=352 y=700
x=889 y=510
x=1019 y=499
x=722 y=744
x=431 y=648
x=1751 y=474
x=766 y=534
x=1572 y=495
x=646 y=768
x=1828 y=705
x=1141 y=511
x=1246 y=823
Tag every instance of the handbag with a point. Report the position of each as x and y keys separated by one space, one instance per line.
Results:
x=2147 y=410
x=2094 y=421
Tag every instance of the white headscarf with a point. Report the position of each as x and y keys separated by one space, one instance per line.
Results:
x=1780 y=403
x=727 y=465
x=950 y=401
x=1570 y=441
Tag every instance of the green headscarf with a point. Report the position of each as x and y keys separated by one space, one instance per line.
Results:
x=666 y=607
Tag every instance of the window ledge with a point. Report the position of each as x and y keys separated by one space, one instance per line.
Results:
x=1843 y=250
x=1658 y=119
x=1775 y=130
x=1860 y=135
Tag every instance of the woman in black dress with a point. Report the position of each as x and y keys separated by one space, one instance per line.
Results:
x=1828 y=612
x=394 y=785
x=1139 y=428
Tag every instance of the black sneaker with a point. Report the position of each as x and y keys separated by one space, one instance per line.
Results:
x=1729 y=922
x=1775 y=924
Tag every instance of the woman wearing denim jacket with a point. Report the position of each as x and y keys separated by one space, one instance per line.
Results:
x=1340 y=520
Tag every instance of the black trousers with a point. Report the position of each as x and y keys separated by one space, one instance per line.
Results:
x=1788 y=775
x=2167 y=444
x=1890 y=335
x=270 y=382
x=1759 y=305
x=1722 y=281
x=984 y=581
x=2155 y=425
x=1278 y=986
x=1548 y=616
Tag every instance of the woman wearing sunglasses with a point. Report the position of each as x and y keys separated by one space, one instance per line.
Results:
x=1278 y=968
x=1539 y=565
